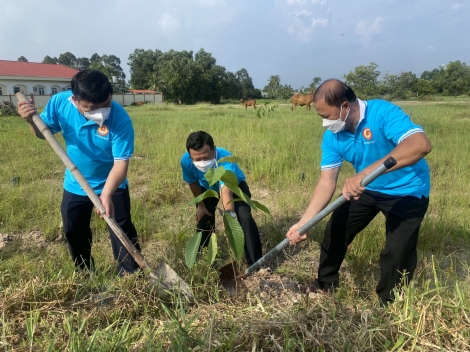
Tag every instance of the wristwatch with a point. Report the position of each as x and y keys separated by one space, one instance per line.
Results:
x=231 y=213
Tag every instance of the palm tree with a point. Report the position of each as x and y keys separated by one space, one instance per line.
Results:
x=157 y=82
x=274 y=81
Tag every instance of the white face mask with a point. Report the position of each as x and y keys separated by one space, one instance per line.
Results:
x=338 y=125
x=98 y=115
x=204 y=165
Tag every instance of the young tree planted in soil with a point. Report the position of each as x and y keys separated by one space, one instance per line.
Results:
x=232 y=229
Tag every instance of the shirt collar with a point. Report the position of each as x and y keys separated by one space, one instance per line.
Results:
x=362 y=110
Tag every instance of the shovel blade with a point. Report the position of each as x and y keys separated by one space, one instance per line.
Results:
x=164 y=278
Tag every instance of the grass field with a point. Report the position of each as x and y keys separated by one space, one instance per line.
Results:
x=46 y=305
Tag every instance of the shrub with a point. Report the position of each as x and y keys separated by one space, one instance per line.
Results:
x=7 y=108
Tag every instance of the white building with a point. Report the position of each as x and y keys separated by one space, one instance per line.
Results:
x=34 y=78
x=41 y=81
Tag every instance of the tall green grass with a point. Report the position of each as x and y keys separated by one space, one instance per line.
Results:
x=46 y=305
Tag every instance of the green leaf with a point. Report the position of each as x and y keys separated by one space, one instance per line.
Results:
x=230 y=159
x=261 y=206
x=399 y=343
x=213 y=175
x=212 y=249
x=206 y=194
x=229 y=178
x=234 y=233
x=192 y=249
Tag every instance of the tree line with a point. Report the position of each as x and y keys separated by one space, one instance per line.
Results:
x=110 y=65
x=452 y=79
x=188 y=78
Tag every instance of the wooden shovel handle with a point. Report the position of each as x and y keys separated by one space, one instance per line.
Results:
x=46 y=132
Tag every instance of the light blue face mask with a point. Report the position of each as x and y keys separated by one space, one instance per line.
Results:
x=338 y=125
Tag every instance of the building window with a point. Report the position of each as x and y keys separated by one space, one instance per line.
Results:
x=16 y=89
x=39 y=90
x=54 y=90
x=1 y=92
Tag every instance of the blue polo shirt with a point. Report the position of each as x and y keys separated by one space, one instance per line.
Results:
x=192 y=174
x=92 y=148
x=382 y=127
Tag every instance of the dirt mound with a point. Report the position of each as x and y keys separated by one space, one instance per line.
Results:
x=32 y=238
x=267 y=286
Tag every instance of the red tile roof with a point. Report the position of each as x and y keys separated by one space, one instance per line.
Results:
x=34 y=69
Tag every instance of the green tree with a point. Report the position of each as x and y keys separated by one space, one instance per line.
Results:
x=144 y=74
x=364 y=80
x=457 y=78
x=176 y=69
x=248 y=89
x=49 y=60
x=110 y=65
x=435 y=78
x=315 y=82
x=82 y=63
x=274 y=81
x=401 y=86
x=425 y=87
x=22 y=59
x=67 y=59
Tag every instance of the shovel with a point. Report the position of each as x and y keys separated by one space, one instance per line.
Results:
x=228 y=275
x=164 y=278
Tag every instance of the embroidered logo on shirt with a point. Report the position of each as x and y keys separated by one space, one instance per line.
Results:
x=367 y=133
x=103 y=130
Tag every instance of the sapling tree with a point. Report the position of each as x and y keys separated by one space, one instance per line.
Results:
x=232 y=230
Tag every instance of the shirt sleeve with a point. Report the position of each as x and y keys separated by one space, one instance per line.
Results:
x=330 y=157
x=397 y=125
x=50 y=116
x=188 y=176
x=123 y=139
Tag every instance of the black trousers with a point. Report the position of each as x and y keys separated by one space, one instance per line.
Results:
x=206 y=225
x=403 y=220
x=76 y=215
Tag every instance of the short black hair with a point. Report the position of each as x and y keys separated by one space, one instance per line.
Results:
x=92 y=86
x=335 y=92
x=199 y=139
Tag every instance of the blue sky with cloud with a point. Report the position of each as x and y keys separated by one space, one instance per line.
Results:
x=295 y=39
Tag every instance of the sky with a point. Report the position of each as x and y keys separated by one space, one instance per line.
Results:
x=295 y=39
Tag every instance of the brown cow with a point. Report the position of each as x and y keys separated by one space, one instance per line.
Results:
x=249 y=102
x=139 y=103
x=302 y=99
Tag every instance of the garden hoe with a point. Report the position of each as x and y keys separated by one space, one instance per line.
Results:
x=164 y=278
x=228 y=274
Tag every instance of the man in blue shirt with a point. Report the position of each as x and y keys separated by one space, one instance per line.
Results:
x=99 y=139
x=365 y=133
x=201 y=156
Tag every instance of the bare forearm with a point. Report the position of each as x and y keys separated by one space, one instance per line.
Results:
x=116 y=177
x=227 y=197
x=196 y=190
x=408 y=152
x=320 y=199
